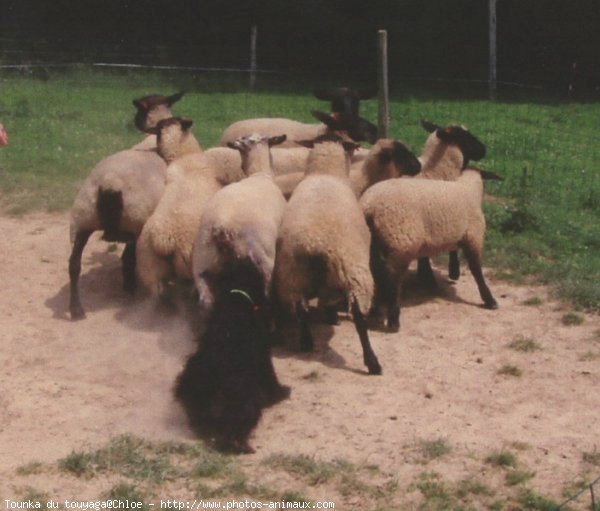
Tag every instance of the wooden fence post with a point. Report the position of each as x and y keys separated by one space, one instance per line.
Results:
x=384 y=107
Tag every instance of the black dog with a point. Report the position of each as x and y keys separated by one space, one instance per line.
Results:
x=228 y=381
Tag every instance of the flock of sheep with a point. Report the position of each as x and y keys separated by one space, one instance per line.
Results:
x=280 y=213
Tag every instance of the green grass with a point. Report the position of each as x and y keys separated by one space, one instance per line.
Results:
x=125 y=455
x=524 y=344
x=502 y=459
x=572 y=319
x=542 y=229
x=510 y=370
x=433 y=449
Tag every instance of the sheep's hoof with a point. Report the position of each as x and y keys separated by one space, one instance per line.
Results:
x=77 y=313
x=493 y=304
x=331 y=316
x=374 y=367
x=454 y=275
x=393 y=325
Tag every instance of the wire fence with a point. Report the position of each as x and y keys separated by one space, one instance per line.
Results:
x=579 y=497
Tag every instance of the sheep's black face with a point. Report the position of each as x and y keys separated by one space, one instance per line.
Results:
x=405 y=159
x=470 y=146
x=148 y=104
x=357 y=128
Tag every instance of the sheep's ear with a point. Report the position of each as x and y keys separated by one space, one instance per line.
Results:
x=277 y=140
x=232 y=145
x=174 y=98
x=429 y=126
x=306 y=143
x=488 y=175
x=326 y=119
x=186 y=124
x=350 y=147
x=140 y=104
x=365 y=130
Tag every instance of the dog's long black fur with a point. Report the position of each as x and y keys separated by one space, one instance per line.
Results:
x=230 y=379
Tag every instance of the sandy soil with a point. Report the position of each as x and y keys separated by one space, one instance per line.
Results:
x=73 y=385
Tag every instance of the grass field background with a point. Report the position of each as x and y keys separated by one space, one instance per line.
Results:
x=543 y=227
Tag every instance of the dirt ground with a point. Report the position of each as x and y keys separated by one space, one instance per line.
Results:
x=74 y=385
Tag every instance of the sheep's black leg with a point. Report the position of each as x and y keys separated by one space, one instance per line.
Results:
x=425 y=273
x=331 y=315
x=382 y=282
x=453 y=265
x=474 y=260
x=395 y=281
x=75 y=307
x=306 y=338
x=128 y=267
x=360 y=323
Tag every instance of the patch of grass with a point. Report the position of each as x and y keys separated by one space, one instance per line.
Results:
x=212 y=464
x=29 y=493
x=317 y=472
x=572 y=319
x=437 y=495
x=589 y=356
x=125 y=455
x=525 y=344
x=515 y=477
x=531 y=500
x=473 y=487
x=502 y=459
x=126 y=492
x=534 y=301
x=592 y=457
x=433 y=449
x=33 y=467
x=510 y=370
x=78 y=463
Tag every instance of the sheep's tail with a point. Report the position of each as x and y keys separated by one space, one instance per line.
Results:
x=109 y=206
x=223 y=240
x=237 y=248
x=351 y=275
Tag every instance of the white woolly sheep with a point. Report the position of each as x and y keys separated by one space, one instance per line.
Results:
x=356 y=127
x=385 y=160
x=150 y=110
x=240 y=222
x=117 y=197
x=446 y=154
x=164 y=248
x=323 y=245
x=411 y=218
